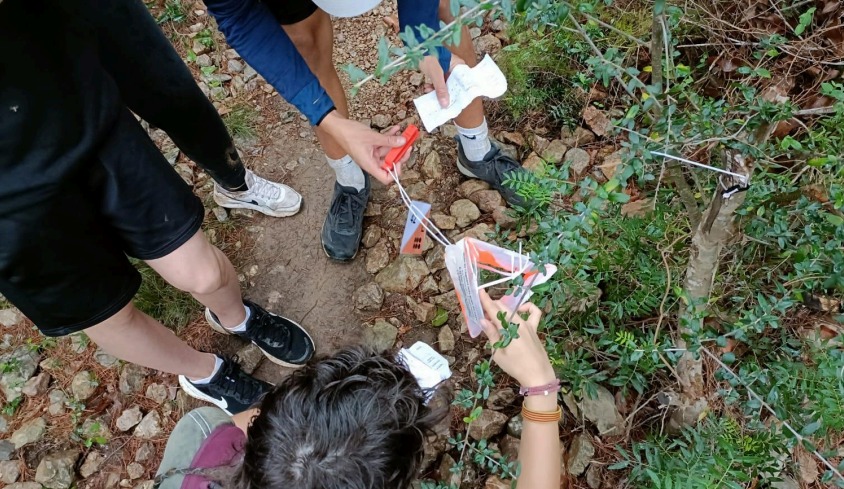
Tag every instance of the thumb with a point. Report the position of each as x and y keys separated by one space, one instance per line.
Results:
x=388 y=140
x=442 y=90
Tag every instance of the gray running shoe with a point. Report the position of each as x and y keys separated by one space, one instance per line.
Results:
x=493 y=169
x=343 y=227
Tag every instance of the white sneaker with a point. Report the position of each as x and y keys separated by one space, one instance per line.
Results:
x=270 y=198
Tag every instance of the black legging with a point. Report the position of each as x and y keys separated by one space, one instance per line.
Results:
x=155 y=84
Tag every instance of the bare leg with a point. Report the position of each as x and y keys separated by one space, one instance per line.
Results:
x=204 y=271
x=473 y=115
x=314 y=39
x=133 y=336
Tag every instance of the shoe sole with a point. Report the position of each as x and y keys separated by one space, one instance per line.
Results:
x=341 y=260
x=465 y=171
x=198 y=394
x=218 y=328
x=236 y=204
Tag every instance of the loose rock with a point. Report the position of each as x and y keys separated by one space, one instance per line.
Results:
x=403 y=275
x=235 y=66
x=132 y=378
x=249 y=357
x=83 y=385
x=423 y=311
x=25 y=485
x=6 y=449
x=510 y=447
x=432 y=167
x=579 y=137
x=578 y=160
x=96 y=430
x=487 y=200
x=57 y=401
x=487 y=44
x=596 y=120
x=20 y=366
x=611 y=164
x=104 y=358
x=135 y=470
x=465 y=212
x=493 y=482
x=377 y=258
x=371 y=236
x=150 y=426
x=435 y=259
x=10 y=317
x=144 y=452
x=381 y=121
x=501 y=398
x=37 y=385
x=515 y=425
x=603 y=412
x=56 y=469
x=10 y=471
x=129 y=418
x=444 y=221
x=488 y=424
x=534 y=164
x=594 y=477
x=381 y=336
x=445 y=339
x=158 y=392
x=513 y=138
x=636 y=208
x=30 y=432
x=555 y=152
x=91 y=464
x=469 y=187
x=369 y=297
x=580 y=455
x=503 y=217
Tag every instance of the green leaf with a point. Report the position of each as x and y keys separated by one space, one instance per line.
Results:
x=805 y=21
x=728 y=357
x=619 y=465
x=454 y=6
x=834 y=219
x=355 y=74
x=811 y=428
x=440 y=318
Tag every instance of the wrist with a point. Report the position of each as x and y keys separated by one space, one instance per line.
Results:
x=536 y=379
x=330 y=121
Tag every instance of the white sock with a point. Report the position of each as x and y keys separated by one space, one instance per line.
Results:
x=348 y=172
x=218 y=363
x=242 y=326
x=475 y=141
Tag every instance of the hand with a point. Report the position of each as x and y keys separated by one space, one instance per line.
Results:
x=524 y=358
x=367 y=147
x=430 y=66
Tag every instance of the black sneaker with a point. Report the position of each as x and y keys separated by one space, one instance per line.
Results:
x=283 y=341
x=343 y=226
x=231 y=389
x=493 y=169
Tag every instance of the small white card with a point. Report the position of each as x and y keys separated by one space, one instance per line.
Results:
x=464 y=85
x=428 y=366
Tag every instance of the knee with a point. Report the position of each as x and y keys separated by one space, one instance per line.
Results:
x=207 y=280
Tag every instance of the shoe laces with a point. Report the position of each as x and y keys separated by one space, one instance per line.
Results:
x=347 y=209
x=267 y=328
x=264 y=188
x=502 y=164
x=234 y=383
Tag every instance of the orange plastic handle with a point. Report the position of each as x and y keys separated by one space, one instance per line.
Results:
x=411 y=134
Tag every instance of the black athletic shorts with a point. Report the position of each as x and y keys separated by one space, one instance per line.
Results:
x=288 y=12
x=63 y=263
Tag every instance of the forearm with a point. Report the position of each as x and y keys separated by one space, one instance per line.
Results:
x=539 y=453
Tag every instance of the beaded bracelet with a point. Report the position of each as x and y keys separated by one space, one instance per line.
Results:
x=542 y=389
x=541 y=417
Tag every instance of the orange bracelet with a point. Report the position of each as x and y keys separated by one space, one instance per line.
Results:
x=542 y=417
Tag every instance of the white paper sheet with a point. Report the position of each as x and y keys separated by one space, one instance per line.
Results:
x=464 y=85
x=429 y=367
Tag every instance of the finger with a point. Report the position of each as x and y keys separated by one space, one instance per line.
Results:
x=490 y=307
x=490 y=331
x=441 y=88
x=534 y=313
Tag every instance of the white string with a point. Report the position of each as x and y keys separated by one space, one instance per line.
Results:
x=426 y=223
x=741 y=177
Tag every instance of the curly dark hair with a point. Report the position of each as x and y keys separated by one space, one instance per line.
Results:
x=353 y=420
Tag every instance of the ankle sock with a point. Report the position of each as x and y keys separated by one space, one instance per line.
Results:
x=475 y=141
x=218 y=363
x=348 y=172
x=242 y=326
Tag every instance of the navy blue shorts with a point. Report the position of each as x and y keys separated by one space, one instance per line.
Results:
x=288 y=12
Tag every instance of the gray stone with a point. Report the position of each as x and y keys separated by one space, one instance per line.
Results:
x=432 y=166
x=91 y=464
x=249 y=73
x=204 y=60
x=25 y=485
x=96 y=430
x=6 y=449
x=10 y=317
x=403 y=275
x=594 y=476
x=579 y=137
x=596 y=120
x=487 y=200
x=447 y=301
x=56 y=469
x=479 y=232
x=611 y=164
x=381 y=336
x=145 y=452
x=377 y=258
x=509 y=446
x=444 y=221
x=221 y=214
x=10 y=471
x=235 y=66
x=150 y=426
x=578 y=160
x=4 y=424
x=249 y=357
x=465 y=212
x=602 y=412
x=369 y=297
x=539 y=143
x=149 y=484
x=475 y=32
x=37 y=385
x=416 y=79
x=79 y=342
x=429 y=286
x=637 y=208
x=371 y=236
x=129 y=418
x=555 y=152
x=487 y=44
x=580 y=455
x=501 y=398
x=19 y=366
x=785 y=483
x=423 y=311
x=512 y=138
x=104 y=358
x=469 y=187
x=30 y=432
x=135 y=470
x=57 y=399
x=493 y=482
x=534 y=164
x=381 y=121
x=83 y=385
x=199 y=48
x=469 y=474
x=503 y=218
x=515 y=425
x=435 y=259
x=488 y=424
x=158 y=392
x=445 y=339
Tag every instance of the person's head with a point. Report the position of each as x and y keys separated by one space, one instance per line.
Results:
x=354 y=420
x=346 y=8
